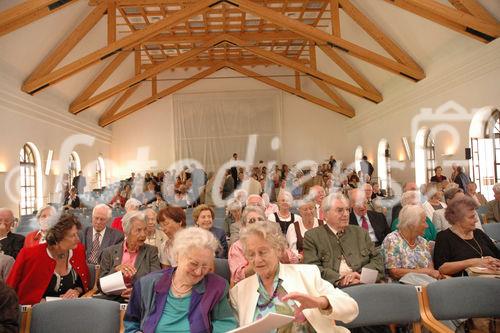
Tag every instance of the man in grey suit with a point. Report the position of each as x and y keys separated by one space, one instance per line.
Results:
x=132 y=257
x=98 y=237
x=493 y=213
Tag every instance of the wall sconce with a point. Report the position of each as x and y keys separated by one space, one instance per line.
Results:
x=401 y=157
x=49 y=162
x=407 y=147
x=3 y=168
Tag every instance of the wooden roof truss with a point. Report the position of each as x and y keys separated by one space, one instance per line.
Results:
x=214 y=34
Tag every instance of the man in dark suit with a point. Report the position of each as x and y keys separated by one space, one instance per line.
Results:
x=98 y=237
x=373 y=222
x=80 y=182
x=10 y=243
x=228 y=186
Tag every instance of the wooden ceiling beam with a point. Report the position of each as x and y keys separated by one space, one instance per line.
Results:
x=209 y=63
x=293 y=64
x=122 y=44
x=321 y=37
x=291 y=90
x=27 y=17
x=104 y=121
x=248 y=36
x=111 y=21
x=67 y=44
x=378 y=35
x=15 y=12
x=113 y=109
x=474 y=8
x=172 y=62
x=335 y=17
x=437 y=17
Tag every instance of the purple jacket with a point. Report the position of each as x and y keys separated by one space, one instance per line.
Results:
x=150 y=294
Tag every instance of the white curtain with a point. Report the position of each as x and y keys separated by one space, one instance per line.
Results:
x=210 y=127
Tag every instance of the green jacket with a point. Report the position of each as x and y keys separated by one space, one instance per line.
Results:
x=323 y=249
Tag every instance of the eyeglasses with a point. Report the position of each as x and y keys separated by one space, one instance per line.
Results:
x=255 y=219
x=264 y=253
x=194 y=266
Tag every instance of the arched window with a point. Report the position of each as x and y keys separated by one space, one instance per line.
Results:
x=100 y=172
x=73 y=165
x=358 y=156
x=425 y=156
x=485 y=151
x=383 y=164
x=30 y=182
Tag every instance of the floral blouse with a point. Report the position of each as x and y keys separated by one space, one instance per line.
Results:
x=398 y=254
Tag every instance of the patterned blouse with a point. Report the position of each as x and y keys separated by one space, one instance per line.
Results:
x=398 y=254
x=267 y=304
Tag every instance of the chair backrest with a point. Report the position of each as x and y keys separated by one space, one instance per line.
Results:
x=382 y=304
x=492 y=230
x=222 y=268
x=464 y=297
x=81 y=315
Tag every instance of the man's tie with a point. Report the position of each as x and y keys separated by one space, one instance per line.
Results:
x=95 y=249
x=364 y=223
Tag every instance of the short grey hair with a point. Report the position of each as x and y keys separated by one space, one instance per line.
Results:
x=132 y=203
x=145 y=211
x=288 y=196
x=234 y=204
x=5 y=209
x=262 y=203
x=327 y=201
x=410 y=198
x=53 y=211
x=496 y=188
x=109 y=213
x=193 y=237
x=129 y=218
x=250 y=209
x=409 y=217
x=269 y=231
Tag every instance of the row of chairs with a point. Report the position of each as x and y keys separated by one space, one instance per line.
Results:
x=379 y=304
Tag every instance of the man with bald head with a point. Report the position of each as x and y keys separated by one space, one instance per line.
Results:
x=10 y=243
x=98 y=237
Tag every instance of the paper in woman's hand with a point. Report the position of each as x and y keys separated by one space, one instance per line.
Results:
x=269 y=322
x=113 y=284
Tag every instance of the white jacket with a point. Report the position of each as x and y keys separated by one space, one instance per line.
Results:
x=303 y=279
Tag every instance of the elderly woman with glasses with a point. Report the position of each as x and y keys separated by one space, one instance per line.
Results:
x=187 y=298
x=238 y=264
x=132 y=257
x=294 y=290
x=38 y=236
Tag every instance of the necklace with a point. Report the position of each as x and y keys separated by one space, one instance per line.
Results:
x=178 y=291
x=412 y=245
x=271 y=299
x=480 y=251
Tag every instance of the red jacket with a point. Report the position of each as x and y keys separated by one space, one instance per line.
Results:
x=30 y=276
x=33 y=238
x=117 y=224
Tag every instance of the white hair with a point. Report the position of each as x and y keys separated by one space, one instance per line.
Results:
x=129 y=218
x=288 y=196
x=409 y=216
x=109 y=213
x=193 y=237
x=327 y=201
x=410 y=198
x=44 y=208
x=132 y=203
x=496 y=188
x=262 y=204
x=234 y=204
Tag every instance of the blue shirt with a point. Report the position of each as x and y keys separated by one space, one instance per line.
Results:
x=175 y=315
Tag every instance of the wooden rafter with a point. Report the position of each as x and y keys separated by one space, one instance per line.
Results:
x=66 y=45
x=104 y=121
x=451 y=18
x=335 y=17
x=474 y=8
x=278 y=59
x=18 y=16
x=111 y=21
x=291 y=90
x=80 y=106
x=322 y=37
x=209 y=63
x=377 y=34
x=248 y=36
x=119 y=102
x=122 y=44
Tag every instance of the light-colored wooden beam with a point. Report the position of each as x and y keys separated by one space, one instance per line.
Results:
x=111 y=21
x=248 y=36
x=137 y=60
x=321 y=37
x=297 y=80
x=154 y=85
x=458 y=5
x=209 y=63
x=28 y=17
x=434 y=16
x=172 y=62
x=119 y=102
x=335 y=17
x=101 y=77
x=488 y=28
x=474 y=8
x=66 y=45
x=15 y=12
x=291 y=90
x=281 y=60
x=348 y=69
x=378 y=35
x=122 y=44
x=165 y=92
